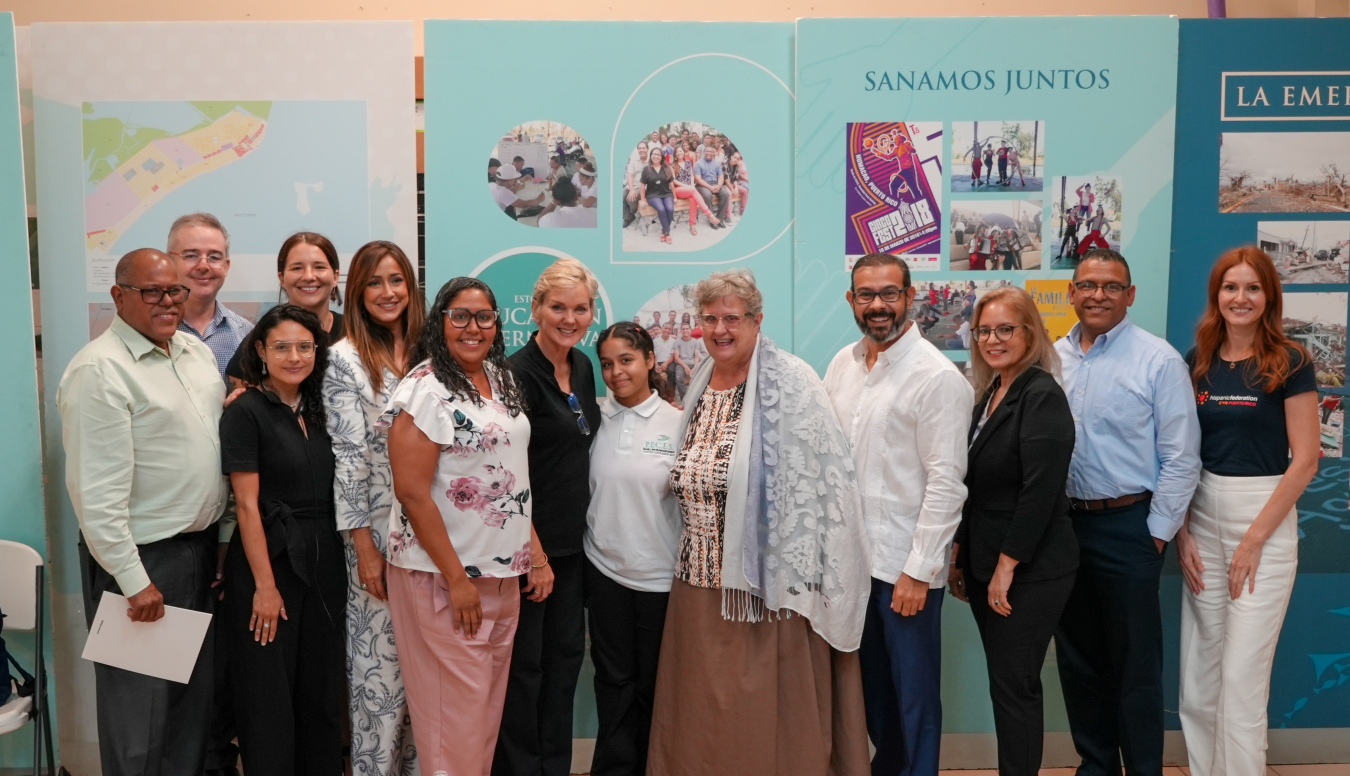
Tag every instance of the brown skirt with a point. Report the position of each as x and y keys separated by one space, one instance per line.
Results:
x=754 y=699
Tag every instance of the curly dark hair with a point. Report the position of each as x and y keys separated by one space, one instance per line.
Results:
x=640 y=340
x=432 y=347
x=254 y=367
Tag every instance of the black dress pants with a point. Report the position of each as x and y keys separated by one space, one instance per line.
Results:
x=626 y=627
x=1014 y=651
x=289 y=695
x=1110 y=645
x=149 y=726
x=221 y=753
x=536 y=732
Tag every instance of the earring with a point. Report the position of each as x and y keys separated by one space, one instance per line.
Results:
x=264 y=368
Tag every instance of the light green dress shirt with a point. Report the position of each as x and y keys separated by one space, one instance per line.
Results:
x=141 y=431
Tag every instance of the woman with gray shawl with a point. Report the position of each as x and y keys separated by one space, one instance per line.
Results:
x=759 y=668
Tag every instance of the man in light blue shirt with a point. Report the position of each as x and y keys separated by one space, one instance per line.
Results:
x=709 y=179
x=1136 y=461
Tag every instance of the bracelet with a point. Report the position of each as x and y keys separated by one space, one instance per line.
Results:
x=541 y=565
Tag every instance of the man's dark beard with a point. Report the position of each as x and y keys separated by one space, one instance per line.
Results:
x=890 y=335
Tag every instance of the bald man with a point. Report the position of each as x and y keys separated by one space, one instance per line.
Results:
x=140 y=412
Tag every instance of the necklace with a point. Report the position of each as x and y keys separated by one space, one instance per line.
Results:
x=294 y=407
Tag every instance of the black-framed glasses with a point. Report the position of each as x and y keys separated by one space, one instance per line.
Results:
x=460 y=317
x=1110 y=289
x=176 y=294
x=575 y=406
x=214 y=258
x=888 y=295
x=1001 y=333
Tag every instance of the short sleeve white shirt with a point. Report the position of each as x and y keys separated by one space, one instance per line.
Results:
x=633 y=523
x=504 y=196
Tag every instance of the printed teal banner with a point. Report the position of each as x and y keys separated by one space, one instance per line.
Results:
x=985 y=152
x=724 y=89
x=1275 y=176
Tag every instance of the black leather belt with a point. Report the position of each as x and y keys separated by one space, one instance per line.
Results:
x=1095 y=504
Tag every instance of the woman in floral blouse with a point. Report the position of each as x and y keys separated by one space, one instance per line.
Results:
x=384 y=312
x=460 y=533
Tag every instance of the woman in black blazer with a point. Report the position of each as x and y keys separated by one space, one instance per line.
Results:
x=1016 y=552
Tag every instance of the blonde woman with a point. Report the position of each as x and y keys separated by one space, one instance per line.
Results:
x=558 y=384
x=1016 y=550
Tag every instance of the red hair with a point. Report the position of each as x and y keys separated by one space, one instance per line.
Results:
x=1273 y=348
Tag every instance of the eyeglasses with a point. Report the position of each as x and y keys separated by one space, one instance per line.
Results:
x=888 y=295
x=575 y=406
x=460 y=317
x=1001 y=333
x=304 y=347
x=214 y=258
x=176 y=294
x=1112 y=290
x=731 y=321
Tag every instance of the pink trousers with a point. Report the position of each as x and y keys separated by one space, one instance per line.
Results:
x=456 y=685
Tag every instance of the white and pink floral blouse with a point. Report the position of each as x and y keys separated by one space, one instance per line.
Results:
x=482 y=481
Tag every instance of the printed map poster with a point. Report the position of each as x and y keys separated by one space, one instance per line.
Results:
x=273 y=127
x=893 y=206
x=995 y=110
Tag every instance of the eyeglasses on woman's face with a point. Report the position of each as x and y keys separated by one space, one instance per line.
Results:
x=1000 y=333
x=460 y=317
x=280 y=348
x=730 y=321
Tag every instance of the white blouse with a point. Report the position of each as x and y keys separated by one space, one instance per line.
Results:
x=363 y=490
x=482 y=480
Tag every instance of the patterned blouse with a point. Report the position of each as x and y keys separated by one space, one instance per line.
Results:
x=684 y=171
x=482 y=481
x=699 y=482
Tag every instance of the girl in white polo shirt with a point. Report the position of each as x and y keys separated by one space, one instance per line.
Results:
x=632 y=533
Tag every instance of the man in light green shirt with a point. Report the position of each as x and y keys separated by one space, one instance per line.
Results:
x=140 y=411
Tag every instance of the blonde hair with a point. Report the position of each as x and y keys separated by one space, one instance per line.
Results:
x=739 y=283
x=1040 y=349
x=565 y=273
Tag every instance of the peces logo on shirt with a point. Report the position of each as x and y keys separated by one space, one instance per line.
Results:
x=659 y=446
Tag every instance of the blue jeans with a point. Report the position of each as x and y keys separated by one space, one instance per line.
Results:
x=665 y=210
x=902 y=684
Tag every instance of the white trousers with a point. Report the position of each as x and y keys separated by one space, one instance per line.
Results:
x=1228 y=646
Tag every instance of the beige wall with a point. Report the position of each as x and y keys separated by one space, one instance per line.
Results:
x=29 y=11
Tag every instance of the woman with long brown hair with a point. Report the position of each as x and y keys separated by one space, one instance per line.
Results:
x=385 y=312
x=1256 y=391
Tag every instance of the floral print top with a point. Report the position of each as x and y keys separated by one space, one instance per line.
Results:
x=482 y=480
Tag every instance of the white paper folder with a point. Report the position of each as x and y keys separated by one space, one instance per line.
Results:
x=166 y=649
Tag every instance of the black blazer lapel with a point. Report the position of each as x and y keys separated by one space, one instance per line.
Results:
x=1002 y=412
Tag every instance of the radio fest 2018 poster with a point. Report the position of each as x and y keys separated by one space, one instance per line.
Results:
x=893 y=204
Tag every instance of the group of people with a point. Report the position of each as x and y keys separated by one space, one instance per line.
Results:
x=571 y=192
x=1082 y=217
x=679 y=351
x=761 y=572
x=709 y=173
x=997 y=247
x=982 y=157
